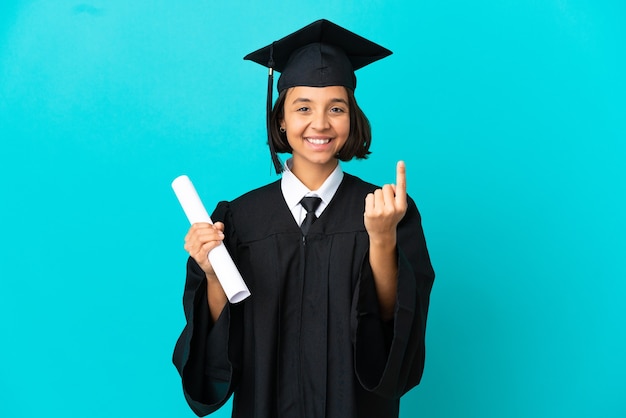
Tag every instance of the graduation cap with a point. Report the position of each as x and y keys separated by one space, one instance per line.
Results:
x=321 y=54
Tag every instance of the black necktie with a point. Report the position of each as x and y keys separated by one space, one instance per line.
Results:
x=310 y=204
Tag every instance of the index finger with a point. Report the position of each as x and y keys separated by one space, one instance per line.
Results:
x=401 y=182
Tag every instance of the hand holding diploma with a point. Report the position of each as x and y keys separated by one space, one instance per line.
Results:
x=204 y=237
x=201 y=238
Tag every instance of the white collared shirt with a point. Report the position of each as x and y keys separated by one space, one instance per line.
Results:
x=293 y=191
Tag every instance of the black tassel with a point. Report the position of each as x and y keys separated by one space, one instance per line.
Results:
x=278 y=165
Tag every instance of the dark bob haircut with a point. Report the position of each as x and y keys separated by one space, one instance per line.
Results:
x=359 y=139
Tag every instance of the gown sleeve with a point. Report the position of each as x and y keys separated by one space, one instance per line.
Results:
x=207 y=354
x=389 y=356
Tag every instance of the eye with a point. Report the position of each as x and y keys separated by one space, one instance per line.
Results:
x=337 y=110
x=303 y=109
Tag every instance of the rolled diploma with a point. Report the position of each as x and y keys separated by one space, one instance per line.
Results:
x=225 y=269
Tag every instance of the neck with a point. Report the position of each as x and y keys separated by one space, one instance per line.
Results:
x=313 y=175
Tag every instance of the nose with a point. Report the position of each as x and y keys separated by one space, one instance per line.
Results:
x=320 y=121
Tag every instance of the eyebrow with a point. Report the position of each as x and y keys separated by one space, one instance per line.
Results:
x=305 y=100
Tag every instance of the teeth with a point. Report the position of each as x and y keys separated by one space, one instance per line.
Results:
x=318 y=141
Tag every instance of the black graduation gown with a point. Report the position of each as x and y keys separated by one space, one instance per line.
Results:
x=309 y=342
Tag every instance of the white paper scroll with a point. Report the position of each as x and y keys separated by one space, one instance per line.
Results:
x=225 y=269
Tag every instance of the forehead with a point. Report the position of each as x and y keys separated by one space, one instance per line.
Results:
x=316 y=93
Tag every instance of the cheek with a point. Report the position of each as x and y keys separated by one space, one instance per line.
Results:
x=344 y=128
x=292 y=125
x=292 y=140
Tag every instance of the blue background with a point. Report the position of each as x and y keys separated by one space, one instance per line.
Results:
x=511 y=117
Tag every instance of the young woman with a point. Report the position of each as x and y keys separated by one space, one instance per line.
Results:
x=338 y=268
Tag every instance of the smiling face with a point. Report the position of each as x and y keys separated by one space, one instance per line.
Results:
x=317 y=125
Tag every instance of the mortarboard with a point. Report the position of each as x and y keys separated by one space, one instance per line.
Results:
x=318 y=55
